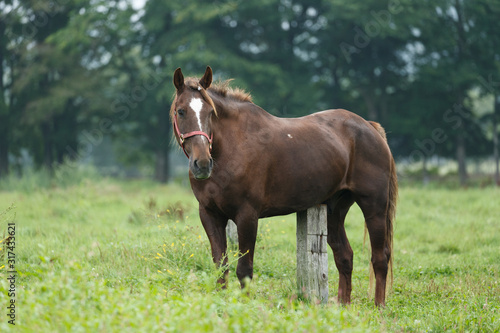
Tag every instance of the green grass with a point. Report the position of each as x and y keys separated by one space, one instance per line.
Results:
x=108 y=256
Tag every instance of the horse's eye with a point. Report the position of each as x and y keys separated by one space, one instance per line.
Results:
x=181 y=112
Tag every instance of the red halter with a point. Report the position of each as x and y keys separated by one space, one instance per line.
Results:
x=183 y=137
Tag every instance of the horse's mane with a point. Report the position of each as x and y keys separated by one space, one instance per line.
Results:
x=223 y=89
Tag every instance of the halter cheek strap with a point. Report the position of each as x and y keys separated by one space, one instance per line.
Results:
x=183 y=137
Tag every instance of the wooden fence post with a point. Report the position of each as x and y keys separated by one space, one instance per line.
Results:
x=312 y=257
x=232 y=232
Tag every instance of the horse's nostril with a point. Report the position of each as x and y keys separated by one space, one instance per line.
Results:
x=203 y=164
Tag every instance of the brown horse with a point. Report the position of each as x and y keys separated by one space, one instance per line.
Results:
x=245 y=164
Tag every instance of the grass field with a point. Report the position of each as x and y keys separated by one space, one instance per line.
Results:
x=109 y=256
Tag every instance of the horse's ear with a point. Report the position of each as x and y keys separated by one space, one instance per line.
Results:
x=178 y=79
x=206 y=80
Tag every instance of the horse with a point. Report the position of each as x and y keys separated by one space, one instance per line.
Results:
x=246 y=164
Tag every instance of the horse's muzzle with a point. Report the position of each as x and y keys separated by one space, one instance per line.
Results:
x=201 y=168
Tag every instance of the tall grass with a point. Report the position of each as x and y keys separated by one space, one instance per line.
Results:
x=63 y=175
x=112 y=256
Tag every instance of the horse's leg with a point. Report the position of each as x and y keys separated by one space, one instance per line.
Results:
x=342 y=251
x=247 y=235
x=215 y=227
x=375 y=215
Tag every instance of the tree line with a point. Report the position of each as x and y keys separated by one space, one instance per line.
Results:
x=76 y=72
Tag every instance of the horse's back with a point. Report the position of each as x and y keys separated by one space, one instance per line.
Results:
x=348 y=129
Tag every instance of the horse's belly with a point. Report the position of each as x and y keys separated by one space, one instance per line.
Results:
x=299 y=192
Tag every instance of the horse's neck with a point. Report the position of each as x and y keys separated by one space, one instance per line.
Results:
x=246 y=118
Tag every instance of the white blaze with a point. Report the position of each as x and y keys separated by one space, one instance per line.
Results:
x=196 y=104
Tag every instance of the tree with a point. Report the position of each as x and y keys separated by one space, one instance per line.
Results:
x=447 y=35
x=61 y=81
x=245 y=40
x=4 y=108
x=73 y=73
x=486 y=54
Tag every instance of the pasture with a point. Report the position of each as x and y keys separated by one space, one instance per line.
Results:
x=109 y=256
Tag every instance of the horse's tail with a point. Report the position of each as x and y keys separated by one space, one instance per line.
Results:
x=391 y=211
x=392 y=201
x=379 y=129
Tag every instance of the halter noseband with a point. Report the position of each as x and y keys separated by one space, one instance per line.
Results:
x=183 y=137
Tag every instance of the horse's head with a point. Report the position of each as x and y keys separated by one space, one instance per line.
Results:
x=192 y=118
